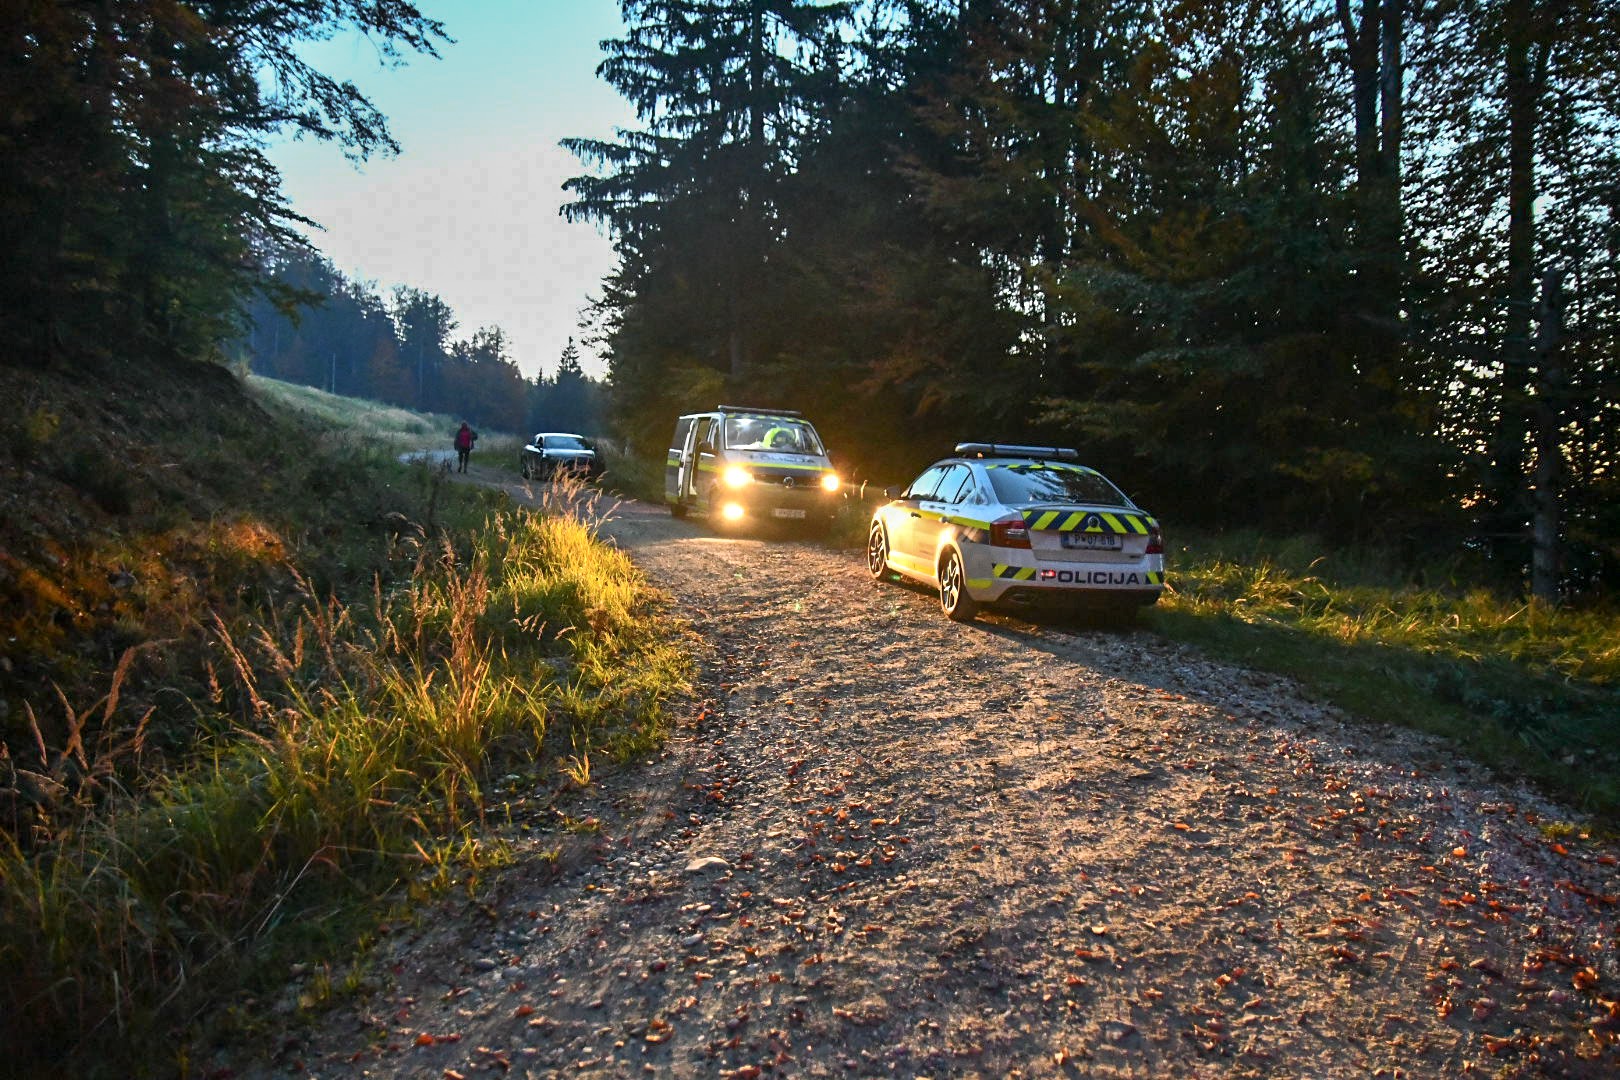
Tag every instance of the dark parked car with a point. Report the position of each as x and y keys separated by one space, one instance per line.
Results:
x=554 y=452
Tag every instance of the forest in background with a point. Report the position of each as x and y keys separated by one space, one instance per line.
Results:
x=1341 y=266
x=347 y=338
x=145 y=224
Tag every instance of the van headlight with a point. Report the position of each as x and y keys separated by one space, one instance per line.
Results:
x=830 y=482
x=736 y=476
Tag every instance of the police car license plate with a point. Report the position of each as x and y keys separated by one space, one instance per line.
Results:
x=1093 y=541
x=783 y=512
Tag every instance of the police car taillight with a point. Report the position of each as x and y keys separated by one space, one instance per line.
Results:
x=1155 y=539
x=1010 y=532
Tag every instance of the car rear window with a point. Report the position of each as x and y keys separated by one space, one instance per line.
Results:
x=1039 y=482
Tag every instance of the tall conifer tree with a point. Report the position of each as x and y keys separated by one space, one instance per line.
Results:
x=724 y=88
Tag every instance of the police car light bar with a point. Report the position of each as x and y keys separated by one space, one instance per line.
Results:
x=758 y=412
x=979 y=449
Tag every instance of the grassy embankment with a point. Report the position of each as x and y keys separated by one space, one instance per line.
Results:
x=1531 y=691
x=317 y=682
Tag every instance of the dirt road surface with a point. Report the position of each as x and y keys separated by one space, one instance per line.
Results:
x=888 y=845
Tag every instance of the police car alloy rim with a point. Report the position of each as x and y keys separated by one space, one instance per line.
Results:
x=957 y=604
x=877 y=551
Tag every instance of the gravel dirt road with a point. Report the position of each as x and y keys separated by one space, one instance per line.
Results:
x=883 y=844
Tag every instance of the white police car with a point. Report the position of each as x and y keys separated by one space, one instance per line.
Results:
x=1019 y=526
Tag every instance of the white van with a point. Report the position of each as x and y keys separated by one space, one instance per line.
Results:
x=739 y=464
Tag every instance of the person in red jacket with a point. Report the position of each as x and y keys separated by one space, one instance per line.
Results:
x=464 y=444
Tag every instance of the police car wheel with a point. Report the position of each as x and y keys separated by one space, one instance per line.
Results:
x=877 y=552
x=524 y=468
x=953 y=596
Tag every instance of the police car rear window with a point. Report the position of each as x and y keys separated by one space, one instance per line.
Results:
x=1044 y=483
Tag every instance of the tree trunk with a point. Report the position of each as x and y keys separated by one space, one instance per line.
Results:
x=1508 y=448
x=1373 y=47
x=1392 y=224
x=1361 y=49
x=1546 y=552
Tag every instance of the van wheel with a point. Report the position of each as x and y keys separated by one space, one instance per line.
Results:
x=677 y=510
x=954 y=600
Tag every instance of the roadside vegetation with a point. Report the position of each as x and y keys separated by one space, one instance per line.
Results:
x=379 y=425
x=1529 y=689
x=304 y=700
x=628 y=474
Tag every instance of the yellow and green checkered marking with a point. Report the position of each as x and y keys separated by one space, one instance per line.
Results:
x=1027 y=573
x=1076 y=521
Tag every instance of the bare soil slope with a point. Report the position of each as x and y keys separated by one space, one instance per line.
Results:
x=888 y=845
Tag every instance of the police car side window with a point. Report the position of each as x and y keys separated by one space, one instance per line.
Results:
x=955 y=482
x=925 y=485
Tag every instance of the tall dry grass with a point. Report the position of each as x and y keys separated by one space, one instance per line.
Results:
x=356 y=746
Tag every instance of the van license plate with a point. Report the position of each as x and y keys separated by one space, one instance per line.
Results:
x=784 y=513
x=1093 y=541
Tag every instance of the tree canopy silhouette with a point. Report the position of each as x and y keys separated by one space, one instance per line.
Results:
x=133 y=183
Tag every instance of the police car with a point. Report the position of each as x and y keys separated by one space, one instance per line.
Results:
x=1019 y=526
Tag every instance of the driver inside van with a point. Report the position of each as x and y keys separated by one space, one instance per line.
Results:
x=783 y=438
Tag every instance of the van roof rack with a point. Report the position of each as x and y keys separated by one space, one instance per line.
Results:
x=980 y=449
x=760 y=412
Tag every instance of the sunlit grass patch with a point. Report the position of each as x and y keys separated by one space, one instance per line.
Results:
x=387 y=425
x=357 y=749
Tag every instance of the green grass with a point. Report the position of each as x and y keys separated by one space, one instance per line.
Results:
x=361 y=757
x=367 y=690
x=1530 y=690
x=387 y=426
x=629 y=475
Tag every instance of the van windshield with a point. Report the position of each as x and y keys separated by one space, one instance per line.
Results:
x=777 y=434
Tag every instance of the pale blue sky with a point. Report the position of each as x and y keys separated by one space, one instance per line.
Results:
x=468 y=209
